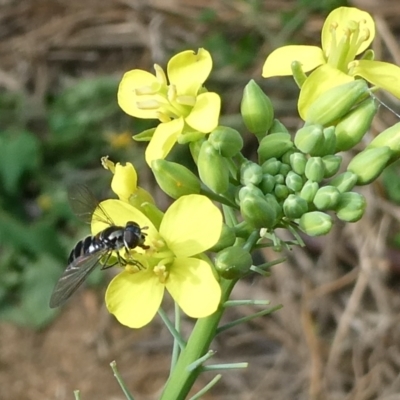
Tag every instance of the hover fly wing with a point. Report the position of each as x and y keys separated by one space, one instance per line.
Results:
x=73 y=277
x=84 y=204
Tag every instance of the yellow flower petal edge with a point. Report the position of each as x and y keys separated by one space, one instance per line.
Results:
x=188 y=70
x=124 y=182
x=191 y=225
x=279 y=62
x=134 y=298
x=318 y=82
x=127 y=98
x=164 y=138
x=342 y=17
x=381 y=74
x=205 y=113
x=192 y=285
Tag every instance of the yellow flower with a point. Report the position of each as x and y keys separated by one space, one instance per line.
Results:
x=190 y=226
x=347 y=32
x=182 y=104
x=124 y=183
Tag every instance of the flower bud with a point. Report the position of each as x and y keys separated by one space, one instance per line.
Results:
x=274 y=145
x=309 y=191
x=329 y=146
x=336 y=102
x=369 y=164
x=284 y=169
x=271 y=166
x=227 y=141
x=281 y=191
x=256 y=109
x=277 y=127
x=226 y=239
x=354 y=125
x=298 y=163
x=267 y=183
x=294 y=181
x=345 y=181
x=213 y=168
x=331 y=165
x=279 y=179
x=249 y=189
x=286 y=157
x=326 y=198
x=273 y=202
x=233 y=262
x=175 y=179
x=258 y=212
x=390 y=138
x=315 y=169
x=250 y=173
x=315 y=223
x=351 y=206
x=310 y=139
x=294 y=206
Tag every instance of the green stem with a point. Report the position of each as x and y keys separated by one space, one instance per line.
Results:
x=182 y=379
x=121 y=382
x=177 y=345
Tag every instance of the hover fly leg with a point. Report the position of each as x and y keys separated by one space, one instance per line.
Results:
x=130 y=260
x=108 y=256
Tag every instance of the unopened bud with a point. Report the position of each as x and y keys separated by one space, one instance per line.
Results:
x=281 y=191
x=315 y=223
x=175 y=179
x=309 y=191
x=277 y=127
x=233 y=262
x=331 y=164
x=298 y=163
x=369 y=164
x=352 y=128
x=271 y=166
x=351 y=206
x=390 y=138
x=345 y=181
x=267 y=183
x=336 y=102
x=315 y=169
x=258 y=212
x=227 y=141
x=326 y=198
x=250 y=173
x=294 y=181
x=256 y=109
x=274 y=145
x=310 y=139
x=213 y=168
x=294 y=206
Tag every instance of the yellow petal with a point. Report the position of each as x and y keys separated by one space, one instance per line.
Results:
x=163 y=140
x=191 y=225
x=279 y=62
x=381 y=74
x=318 y=82
x=343 y=16
x=128 y=99
x=205 y=113
x=120 y=213
x=134 y=298
x=188 y=71
x=193 y=286
x=124 y=182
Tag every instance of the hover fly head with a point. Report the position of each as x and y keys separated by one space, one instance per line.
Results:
x=134 y=235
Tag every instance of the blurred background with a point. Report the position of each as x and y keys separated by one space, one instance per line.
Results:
x=338 y=334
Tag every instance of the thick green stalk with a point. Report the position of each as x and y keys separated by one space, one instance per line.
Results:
x=181 y=379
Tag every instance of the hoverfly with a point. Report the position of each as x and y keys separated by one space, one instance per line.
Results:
x=92 y=250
